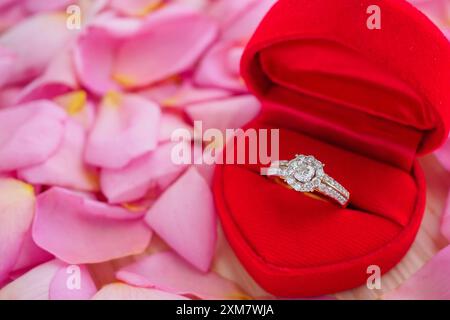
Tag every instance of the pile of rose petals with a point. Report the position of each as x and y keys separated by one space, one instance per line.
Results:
x=88 y=190
x=86 y=117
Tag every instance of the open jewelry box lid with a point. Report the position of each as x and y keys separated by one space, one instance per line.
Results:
x=398 y=75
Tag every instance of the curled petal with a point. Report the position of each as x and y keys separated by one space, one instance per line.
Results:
x=220 y=67
x=98 y=232
x=34 y=32
x=58 y=78
x=152 y=170
x=93 y=58
x=128 y=53
x=120 y=291
x=65 y=168
x=33 y=285
x=29 y=134
x=429 y=283
x=184 y=217
x=246 y=21
x=163 y=48
x=224 y=114
x=126 y=127
x=167 y=272
x=30 y=255
x=16 y=214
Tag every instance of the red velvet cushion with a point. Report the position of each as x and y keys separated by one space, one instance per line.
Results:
x=364 y=102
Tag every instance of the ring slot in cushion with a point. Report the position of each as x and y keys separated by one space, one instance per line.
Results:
x=373 y=185
x=304 y=232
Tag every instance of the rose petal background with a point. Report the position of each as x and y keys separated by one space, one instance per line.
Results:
x=86 y=170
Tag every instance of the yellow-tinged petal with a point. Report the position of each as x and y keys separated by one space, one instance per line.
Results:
x=112 y=99
x=150 y=8
x=133 y=207
x=17 y=203
x=239 y=296
x=124 y=80
x=13 y=189
x=170 y=102
x=73 y=102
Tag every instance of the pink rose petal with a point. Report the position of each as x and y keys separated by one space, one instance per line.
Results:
x=29 y=134
x=65 y=168
x=77 y=105
x=184 y=217
x=47 y=5
x=30 y=255
x=163 y=48
x=220 y=67
x=129 y=53
x=167 y=272
x=120 y=291
x=172 y=94
x=8 y=96
x=7 y=60
x=72 y=283
x=136 y=7
x=80 y=230
x=245 y=22
x=6 y=3
x=443 y=155
x=227 y=11
x=436 y=10
x=11 y=14
x=239 y=19
x=169 y=124
x=195 y=4
x=33 y=285
x=34 y=32
x=58 y=78
x=429 y=283
x=445 y=224
x=132 y=182
x=224 y=114
x=93 y=58
x=126 y=127
x=16 y=214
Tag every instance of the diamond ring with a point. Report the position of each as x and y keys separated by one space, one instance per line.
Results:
x=306 y=174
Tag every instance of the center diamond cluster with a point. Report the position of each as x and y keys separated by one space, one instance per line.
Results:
x=304 y=173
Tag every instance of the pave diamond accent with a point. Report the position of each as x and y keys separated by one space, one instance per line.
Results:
x=336 y=185
x=332 y=193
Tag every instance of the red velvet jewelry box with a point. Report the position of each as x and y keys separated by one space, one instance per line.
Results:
x=366 y=103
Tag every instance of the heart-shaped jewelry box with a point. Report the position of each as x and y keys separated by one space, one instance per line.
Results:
x=366 y=102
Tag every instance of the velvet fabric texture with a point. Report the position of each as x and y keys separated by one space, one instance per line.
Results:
x=366 y=103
